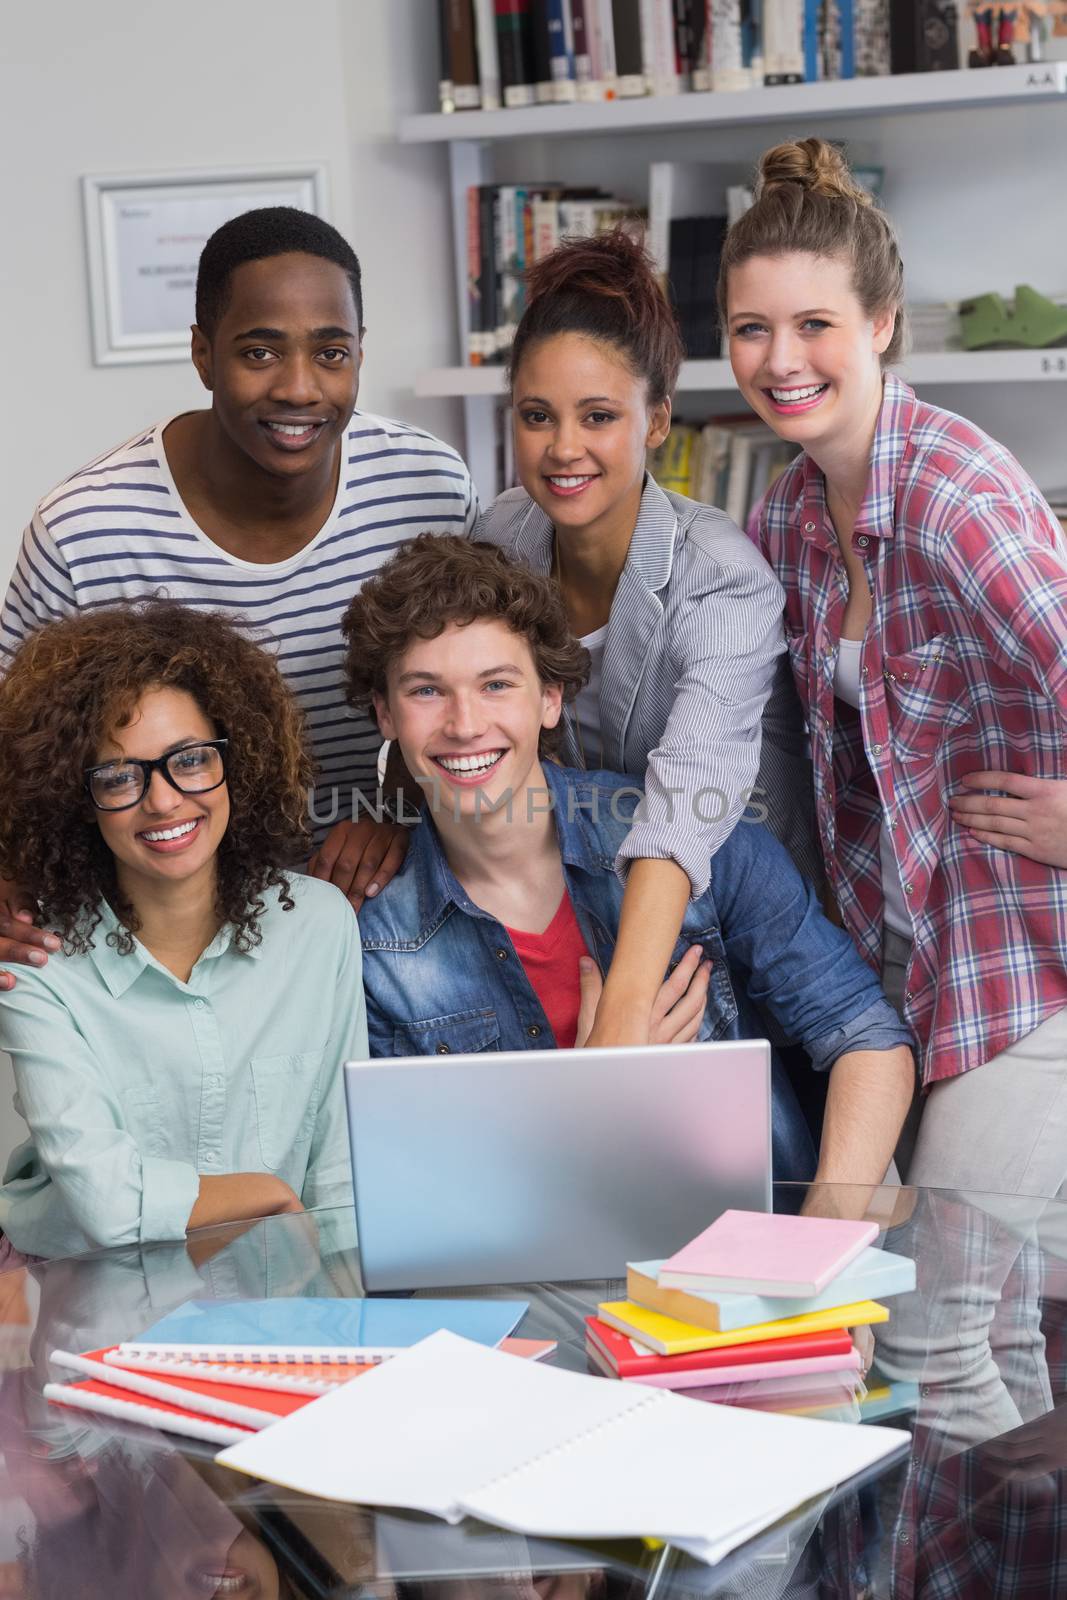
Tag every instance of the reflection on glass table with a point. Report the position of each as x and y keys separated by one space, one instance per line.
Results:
x=973 y=1364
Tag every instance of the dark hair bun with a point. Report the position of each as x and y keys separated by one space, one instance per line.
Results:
x=604 y=288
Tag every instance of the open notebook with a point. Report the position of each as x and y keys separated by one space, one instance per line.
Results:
x=456 y=1429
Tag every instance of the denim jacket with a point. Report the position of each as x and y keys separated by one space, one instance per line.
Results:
x=441 y=975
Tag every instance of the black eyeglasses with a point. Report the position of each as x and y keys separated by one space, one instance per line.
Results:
x=193 y=769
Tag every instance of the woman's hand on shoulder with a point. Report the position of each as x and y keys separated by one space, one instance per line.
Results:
x=1029 y=818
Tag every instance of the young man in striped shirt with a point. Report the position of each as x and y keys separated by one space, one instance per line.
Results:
x=274 y=505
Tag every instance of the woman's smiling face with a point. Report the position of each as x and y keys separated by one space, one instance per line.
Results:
x=805 y=354
x=583 y=426
x=168 y=836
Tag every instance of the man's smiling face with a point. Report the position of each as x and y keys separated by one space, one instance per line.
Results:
x=283 y=362
x=467 y=709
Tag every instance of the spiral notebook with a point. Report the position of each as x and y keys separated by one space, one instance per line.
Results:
x=304 y=1330
x=543 y=1451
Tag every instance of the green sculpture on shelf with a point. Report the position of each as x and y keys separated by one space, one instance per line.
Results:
x=1034 y=322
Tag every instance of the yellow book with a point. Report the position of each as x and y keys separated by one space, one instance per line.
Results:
x=670 y=1337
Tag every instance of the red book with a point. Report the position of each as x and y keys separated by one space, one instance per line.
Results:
x=623 y=1353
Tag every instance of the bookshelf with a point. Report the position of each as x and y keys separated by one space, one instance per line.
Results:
x=508 y=146
x=907 y=92
x=715 y=377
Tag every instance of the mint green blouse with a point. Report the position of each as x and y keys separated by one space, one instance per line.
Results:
x=134 y=1084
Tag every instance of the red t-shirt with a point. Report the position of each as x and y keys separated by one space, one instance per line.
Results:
x=550 y=961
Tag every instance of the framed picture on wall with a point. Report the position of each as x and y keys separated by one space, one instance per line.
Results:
x=143 y=236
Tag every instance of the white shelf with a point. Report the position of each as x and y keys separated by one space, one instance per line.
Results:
x=917 y=91
x=710 y=377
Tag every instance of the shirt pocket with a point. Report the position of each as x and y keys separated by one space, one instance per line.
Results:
x=459 y=1033
x=286 y=1093
x=927 y=696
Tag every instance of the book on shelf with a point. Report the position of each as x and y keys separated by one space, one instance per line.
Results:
x=767 y=1253
x=923 y=35
x=460 y=86
x=509 y=227
x=729 y=462
x=488 y=58
x=514 y=45
x=629 y=55
x=658 y=47
x=525 y=52
x=540 y=52
x=873 y=1275
x=561 y=51
x=669 y=1337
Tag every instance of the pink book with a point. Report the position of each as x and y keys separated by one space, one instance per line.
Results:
x=703 y=1379
x=760 y=1253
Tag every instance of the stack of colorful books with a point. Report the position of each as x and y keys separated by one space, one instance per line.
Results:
x=754 y=1297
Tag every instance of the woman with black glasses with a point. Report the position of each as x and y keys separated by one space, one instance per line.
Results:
x=179 y=1064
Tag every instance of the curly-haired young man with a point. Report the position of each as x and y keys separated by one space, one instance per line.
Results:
x=179 y=1064
x=494 y=933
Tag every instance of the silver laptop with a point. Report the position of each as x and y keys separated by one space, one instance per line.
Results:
x=551 y=1165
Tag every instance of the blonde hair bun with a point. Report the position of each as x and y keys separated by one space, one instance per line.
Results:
x=814 y=165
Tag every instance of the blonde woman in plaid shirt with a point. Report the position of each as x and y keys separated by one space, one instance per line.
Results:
x=926 y=619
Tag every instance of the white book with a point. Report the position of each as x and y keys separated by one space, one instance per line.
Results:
x=599 y=17
x=702 y=66
x=488 y=61
x=657 y=47
x=547 y=1452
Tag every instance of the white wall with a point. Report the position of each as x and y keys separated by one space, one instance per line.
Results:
x=124 y=85
x=140 y=85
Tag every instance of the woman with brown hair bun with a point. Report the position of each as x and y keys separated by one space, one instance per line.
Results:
x=926 y=612
x=179 y=1064
x=680 y=615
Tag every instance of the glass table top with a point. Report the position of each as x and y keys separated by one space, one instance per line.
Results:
x=973 y=1364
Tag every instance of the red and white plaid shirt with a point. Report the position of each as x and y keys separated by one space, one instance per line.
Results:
x=963 y=668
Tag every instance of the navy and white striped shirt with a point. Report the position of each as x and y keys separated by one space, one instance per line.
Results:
x=117 y=530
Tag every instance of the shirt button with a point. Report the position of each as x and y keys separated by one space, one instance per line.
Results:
x=863 y=672
x=502 y=955
x=809 y=527
x=443 y=1049
x=534 y=1030
x=908 y=996
x=200 y=1005
x=210 y=1159
x=876 y=750
x=909 y=888
x=863 y=541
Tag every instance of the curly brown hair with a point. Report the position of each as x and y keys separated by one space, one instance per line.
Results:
x=70 y=685
x=440 y=578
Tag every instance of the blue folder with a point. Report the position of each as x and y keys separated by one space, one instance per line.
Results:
x=337 y=1325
